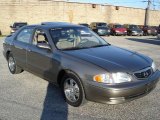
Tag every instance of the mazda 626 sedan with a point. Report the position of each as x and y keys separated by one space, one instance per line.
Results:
x=83 y=64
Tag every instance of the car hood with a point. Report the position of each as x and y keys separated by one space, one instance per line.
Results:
x=121 y=29
x=112 y=59
x=138 y=30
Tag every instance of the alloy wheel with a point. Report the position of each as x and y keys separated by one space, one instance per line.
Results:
x=71 y=90
x=11 y=64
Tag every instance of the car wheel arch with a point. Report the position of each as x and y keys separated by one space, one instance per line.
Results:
x=67 y=71
x=7 y=54
x=62 y=72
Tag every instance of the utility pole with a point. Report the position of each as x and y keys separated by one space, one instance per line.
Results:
x=147 y=13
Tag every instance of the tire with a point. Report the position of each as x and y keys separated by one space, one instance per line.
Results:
x=128 y=34
x=114 y=33
x=80 y=98
x=13 y=68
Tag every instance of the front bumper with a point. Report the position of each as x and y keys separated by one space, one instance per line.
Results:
x=137 y=33
x=103 y=33
x=121 y=33
x=115 y=94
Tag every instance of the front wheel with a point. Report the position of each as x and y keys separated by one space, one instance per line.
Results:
x=114 y=34
x=72 y=90
x=14 y=69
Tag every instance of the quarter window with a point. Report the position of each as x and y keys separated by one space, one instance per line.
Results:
x=25 y=35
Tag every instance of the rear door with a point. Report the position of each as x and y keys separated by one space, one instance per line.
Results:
x=20 y=45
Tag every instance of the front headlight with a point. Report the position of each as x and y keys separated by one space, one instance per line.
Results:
x=100 y=30
x=112 y=78
x=12 y=31
x=154 y=68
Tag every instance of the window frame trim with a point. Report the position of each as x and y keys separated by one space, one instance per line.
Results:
x=23 y=28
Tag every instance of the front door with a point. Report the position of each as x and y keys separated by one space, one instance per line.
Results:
x=39 y=60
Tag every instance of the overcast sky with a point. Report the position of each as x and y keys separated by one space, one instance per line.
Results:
x=129 y=3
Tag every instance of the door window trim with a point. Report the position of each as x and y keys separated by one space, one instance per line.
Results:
x=34 y=32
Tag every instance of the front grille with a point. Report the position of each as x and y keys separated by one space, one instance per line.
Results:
x=102 y=30
x=143 y=73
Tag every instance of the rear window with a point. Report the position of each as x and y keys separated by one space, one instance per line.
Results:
x=119 y=26
x=19 y=24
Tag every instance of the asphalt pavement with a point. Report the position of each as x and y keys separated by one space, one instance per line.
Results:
x=28 y=97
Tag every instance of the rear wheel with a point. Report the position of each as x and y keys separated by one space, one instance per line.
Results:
x=72 y=90
x=14 y=69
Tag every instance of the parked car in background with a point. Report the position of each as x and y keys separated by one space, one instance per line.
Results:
x=158 y=29
x=83 y=64
x=133 y=30
x=100 y=28
x=16 y=26
x=149 y=30
x=141 y=26
x=117 y=29
x=84 y=24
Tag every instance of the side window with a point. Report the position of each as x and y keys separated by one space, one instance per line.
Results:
x=25 y=35
x=40 y=37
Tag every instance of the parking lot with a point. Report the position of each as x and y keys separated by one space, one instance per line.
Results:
x=28 y=97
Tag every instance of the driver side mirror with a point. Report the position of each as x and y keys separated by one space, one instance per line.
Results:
x=44 y=46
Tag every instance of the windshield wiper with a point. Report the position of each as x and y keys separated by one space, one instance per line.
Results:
x=71 y=48
x=77 y=48
x=101 y=45
x=74 y=48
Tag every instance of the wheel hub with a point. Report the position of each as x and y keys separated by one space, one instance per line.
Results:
x=11 y=63
x=71 y=90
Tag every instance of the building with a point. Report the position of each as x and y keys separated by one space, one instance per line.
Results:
x=37 y=11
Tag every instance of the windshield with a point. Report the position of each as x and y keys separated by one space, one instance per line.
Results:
x=101 y=24
x=119 y=26
x=71 y=38
x=133 y=27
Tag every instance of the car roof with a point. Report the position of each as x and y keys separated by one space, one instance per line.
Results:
x=83 y=23
x=20 y=22
x=99 y=22
x=50 y=25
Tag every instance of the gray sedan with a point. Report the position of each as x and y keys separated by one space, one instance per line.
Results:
x=83 y=64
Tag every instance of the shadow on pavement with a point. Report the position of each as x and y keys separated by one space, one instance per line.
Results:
x=54 y=107
x=153 y=41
